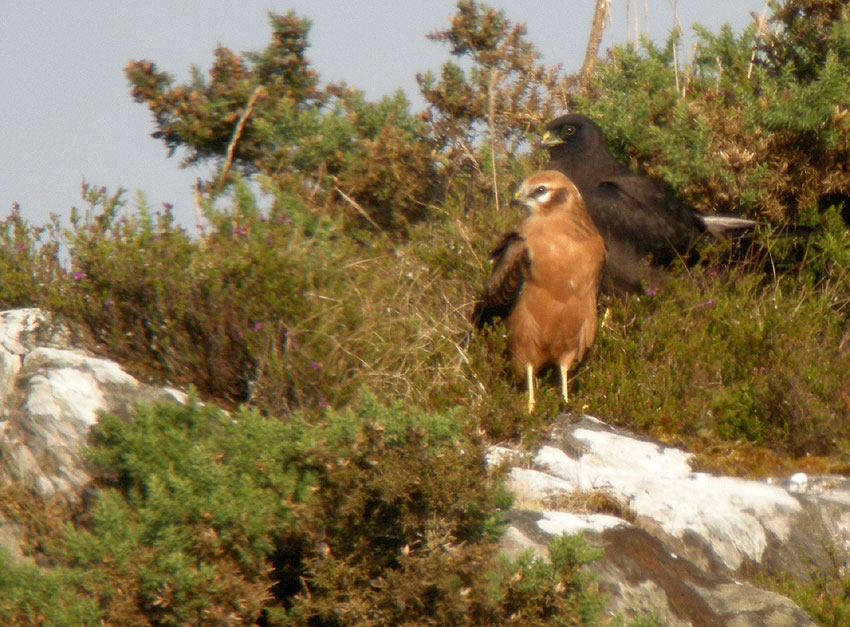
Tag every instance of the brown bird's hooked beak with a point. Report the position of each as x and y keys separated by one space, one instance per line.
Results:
x=516 y=202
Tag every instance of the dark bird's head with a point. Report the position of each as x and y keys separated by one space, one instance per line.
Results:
x=574 y=132
x=577 y=148
x=547 y=191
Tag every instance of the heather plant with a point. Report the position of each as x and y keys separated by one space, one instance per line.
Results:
x=289 y=306
x=28 y=259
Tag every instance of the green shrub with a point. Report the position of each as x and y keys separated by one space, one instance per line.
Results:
x=377 y=515
x=30 y=595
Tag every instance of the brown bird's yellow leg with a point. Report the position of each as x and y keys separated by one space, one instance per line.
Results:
x=529 y=379
x=564 y=370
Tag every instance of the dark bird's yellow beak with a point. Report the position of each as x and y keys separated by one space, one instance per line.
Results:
x=550 y=139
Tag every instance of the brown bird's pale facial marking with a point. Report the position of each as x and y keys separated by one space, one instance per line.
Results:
x=544 y=191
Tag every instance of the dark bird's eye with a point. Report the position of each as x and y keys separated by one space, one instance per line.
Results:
x=569 y=130
x=539 y=191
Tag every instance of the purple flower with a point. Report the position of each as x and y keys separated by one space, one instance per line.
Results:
x=323 y=403
x=77 y=276
x=108 y=303
x=20 y=246
x=167 y=206
x=652 y=291
x=315 y=365
x=257 y=326
x=711 y=302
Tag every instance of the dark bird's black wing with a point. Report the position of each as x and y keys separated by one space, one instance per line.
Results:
x=640 y=222
x=637 y=210
x=640 y=219
x=511 y=268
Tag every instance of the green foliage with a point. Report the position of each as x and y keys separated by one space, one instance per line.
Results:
x=824 y=595
x=267 y=113
x=377 y=515
x=755 y=123
x=557 y=592
x=28 y=260
x=480 y=118
x=719 y=353
x=30 y=595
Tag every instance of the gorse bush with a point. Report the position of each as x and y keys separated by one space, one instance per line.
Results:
x=381 y=515
x=756 y=123
x=325 y=143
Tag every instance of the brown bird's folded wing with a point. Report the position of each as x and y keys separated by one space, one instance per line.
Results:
x=511 y=268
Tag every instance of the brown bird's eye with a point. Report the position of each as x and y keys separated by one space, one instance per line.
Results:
x=569 y=130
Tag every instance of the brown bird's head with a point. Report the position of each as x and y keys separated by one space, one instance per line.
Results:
x=545 y=191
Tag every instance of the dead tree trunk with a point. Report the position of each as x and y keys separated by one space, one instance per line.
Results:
x=594 y=40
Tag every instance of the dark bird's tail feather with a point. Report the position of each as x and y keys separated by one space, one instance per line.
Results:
x=724 y=226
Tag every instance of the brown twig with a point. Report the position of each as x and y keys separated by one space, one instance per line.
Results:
x=491 y=114
x=357 y=207
x=237 y=133
x=199 y=213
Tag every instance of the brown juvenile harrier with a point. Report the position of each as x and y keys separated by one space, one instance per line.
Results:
x=640 y=219
x=545 y=279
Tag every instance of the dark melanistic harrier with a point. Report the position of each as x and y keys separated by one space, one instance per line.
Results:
x=639 y=218
x=545 y=279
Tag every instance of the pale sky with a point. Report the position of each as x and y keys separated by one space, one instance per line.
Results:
x=65 y=108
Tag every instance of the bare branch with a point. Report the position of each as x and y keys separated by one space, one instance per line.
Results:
x=595 y=40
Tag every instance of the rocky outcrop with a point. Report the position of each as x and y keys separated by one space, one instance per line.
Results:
x=680 y=541
x=50 y=395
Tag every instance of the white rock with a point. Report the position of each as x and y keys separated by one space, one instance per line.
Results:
x=734 y=516
x=557 y=523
